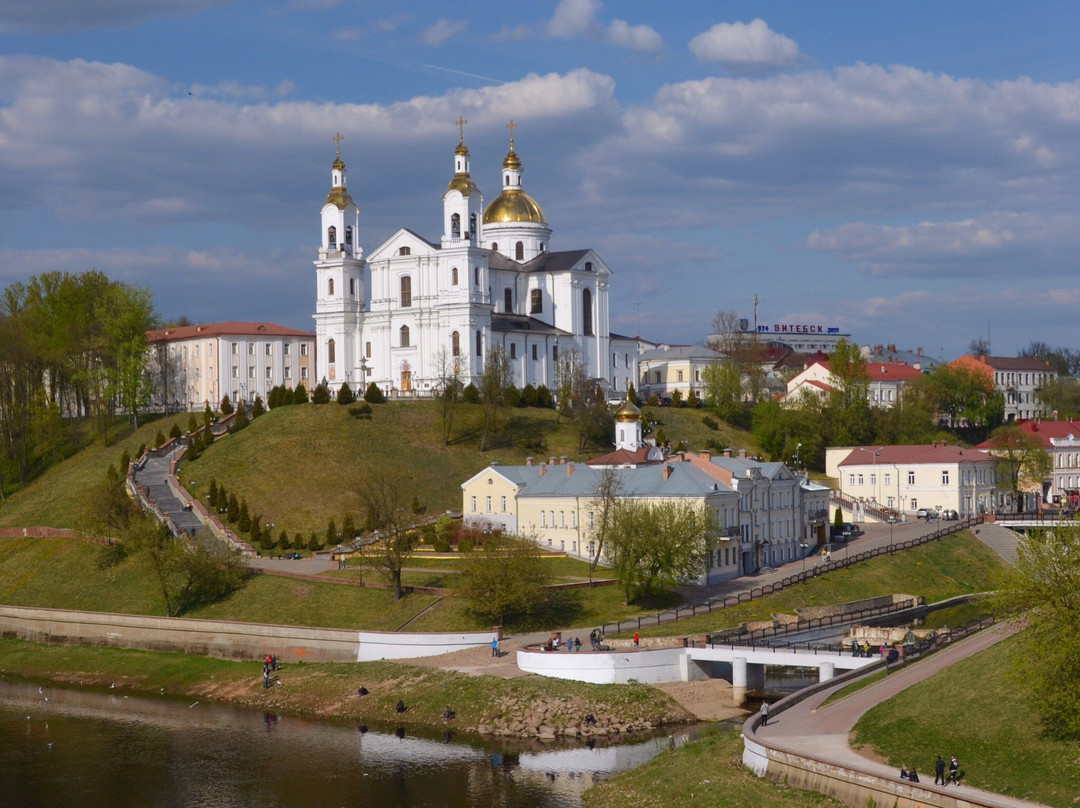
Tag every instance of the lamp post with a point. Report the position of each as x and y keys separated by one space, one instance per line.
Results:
x=802 y=546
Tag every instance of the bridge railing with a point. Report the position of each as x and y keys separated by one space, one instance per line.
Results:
x=717 y=604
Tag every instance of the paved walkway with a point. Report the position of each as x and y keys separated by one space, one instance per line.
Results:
x=999 y=539
x=810 y=730
x=153 y=475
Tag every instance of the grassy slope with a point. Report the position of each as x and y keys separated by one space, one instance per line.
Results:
x=707 y=773
x=983 y=716
x=955 y=565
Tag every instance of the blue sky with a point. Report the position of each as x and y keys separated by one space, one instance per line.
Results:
x=908 y=172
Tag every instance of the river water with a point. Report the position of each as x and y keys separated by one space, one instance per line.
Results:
x=99 y=750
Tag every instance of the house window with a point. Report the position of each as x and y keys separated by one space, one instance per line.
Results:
x=406 y=292
x=288 y=372
x=590 y=518
x=508 y=301
x=554 y=353
x=269 y=351
x=513 y=350
x=656 y=376
x=303 y=349
x=586 y=312
x=573 y=519
x=536 y=301
x=235 y=372
x=352 y=287
x=331 y=353
x=453 y=276
x=494 y=246
x=487 y=501
x=588 y=266
x=886 y=479
x=455 y=344
x=851 y=479
x=534 y=352
x=404 y=336
x=519 y=251
x=286 y=349
x=473 y=503
x=269 y=372
x=404 y=251
x=476 y=276
x=911 y=478
x=873 y=479
x=479 y=343
x=348 y=238
x=251 y=372
x=678 y=375
x=502 y=503
x=945 y=477
x=543 y=518
x=251 y=349
x=235 y=348
x=304 y=372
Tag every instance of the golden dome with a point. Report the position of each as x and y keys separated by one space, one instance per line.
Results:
x=513 y=206
x=461 y=148
x=463 y=183
x=512 y=160
x=628 y=411
x=339 y=197
x=338 y=164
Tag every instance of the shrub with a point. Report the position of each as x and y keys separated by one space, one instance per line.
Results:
x=255 y=528
x=465 y=546
x=528 y=396
x=299 y=395
x=211 y=495
x=331 y=533
x=314 y=545
x=192 y=423
x=711 y=423
x=361 y=411
x=440 y=545
x=320 y=395
x=243 y=519
x=175 y=432
x=266 y=542
x=345 y=395
x=470 y=395
x=233 y=509
x=257 y=408
x=373 y=395
x=417 y=506
x=240 y=420
x=543 y=397
x=512 y=396
x=226 y=405
x=348 y=528
x=654 y=400
x=661 y=437
x=285 y=544
x=125 y=463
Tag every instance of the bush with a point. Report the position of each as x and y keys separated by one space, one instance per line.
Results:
x=528 y=396
x=373 y=395
x=314 y=545
x=543 y=397
x=299 y=395
x=654 y=400
x=440 y=545
x=470 y=395
x=417 y=506
x=192 y=423
x=331 y=533
x=345 y=395
x=512 y=396
x=175 y=432
x=711 y=423
x=320 y=395
x=257 y=408
x=226 y=405
x=464 y=546
x=361 y=411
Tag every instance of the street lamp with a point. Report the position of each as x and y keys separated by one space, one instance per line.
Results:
x=802 y=546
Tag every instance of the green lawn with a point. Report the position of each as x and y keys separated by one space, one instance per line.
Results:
x=980 y=712
x=956 y=565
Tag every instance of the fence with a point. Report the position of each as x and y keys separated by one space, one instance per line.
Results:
x=717 y=604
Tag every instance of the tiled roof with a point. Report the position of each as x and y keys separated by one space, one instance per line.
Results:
x=622 y=457
x=1007 y=363
x=885 y=371
x=913 y=455
x=1044 y=430
x=228 y=328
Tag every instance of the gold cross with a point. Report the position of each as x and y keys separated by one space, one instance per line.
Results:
x=337 y=139
x=461 y=127
x=511 y=126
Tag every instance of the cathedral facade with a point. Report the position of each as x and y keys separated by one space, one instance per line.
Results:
x=415 y=310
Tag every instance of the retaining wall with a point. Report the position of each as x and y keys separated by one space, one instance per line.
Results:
x=228 y=640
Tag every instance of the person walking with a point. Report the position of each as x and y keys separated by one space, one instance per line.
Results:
x=495 y=648
x=637 y=640
x=954 y=769
x=764 y=713
x=939 y=771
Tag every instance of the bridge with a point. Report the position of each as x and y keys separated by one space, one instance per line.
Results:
x=743 y=666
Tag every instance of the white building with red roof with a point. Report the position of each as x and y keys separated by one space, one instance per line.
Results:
x=938 y=476
x=887 y=380
x=196 y=365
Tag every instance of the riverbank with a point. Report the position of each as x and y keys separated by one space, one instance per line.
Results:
x=521 y=706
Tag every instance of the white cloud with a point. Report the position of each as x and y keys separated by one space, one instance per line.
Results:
x=518 y=33
x=575 y=19
x=67 y=15
x=998 y=244
x=745 y=47
x=435 y=35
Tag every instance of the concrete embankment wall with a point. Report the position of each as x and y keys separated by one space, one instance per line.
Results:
x=227 y=640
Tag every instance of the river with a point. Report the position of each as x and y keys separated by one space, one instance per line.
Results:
x=100 y=750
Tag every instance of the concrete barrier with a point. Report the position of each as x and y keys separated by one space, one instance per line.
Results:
x=228 y=640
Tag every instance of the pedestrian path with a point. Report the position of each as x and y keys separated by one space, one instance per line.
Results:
x=818 y=732
x=999 y=539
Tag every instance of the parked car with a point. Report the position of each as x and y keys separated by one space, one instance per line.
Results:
x=926 y=513
x=850 y=530
x=950 y=514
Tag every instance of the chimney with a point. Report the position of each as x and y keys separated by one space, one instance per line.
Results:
x=667 y=471
x=569 y=469
x=918 y=365
x=742 y=453
x=562 y=460
x=543 y=469
x=892 y=349
x=727 y=452
x=919 y=351
x=551 y=460
x=706 y=456
x=528 y=461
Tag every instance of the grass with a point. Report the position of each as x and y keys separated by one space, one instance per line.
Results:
x=984 y=716
x=955 y=565
x=329 y=690
x=706 y=772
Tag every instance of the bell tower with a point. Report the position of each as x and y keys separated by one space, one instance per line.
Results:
x=463 y=204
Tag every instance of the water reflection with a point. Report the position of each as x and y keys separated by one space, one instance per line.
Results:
x=60 y=747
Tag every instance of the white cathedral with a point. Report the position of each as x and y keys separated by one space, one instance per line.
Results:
x=414 y=305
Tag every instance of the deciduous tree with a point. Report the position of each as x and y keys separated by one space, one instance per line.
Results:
x=504 y=579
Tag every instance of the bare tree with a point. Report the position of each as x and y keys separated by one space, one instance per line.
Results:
x=449 y=385
x=387 y=500
x=605 y=496
x=497 y=376
x=731 y=337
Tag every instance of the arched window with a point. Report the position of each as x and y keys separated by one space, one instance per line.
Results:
x=404 y=336
x=455 y=226
x=536 y=301
x=507 y=180
x=508 y=301
x=586 y=312
x=541 y=246
x=331 y=353
x=348 y=238
x=494 y=246
x=406 y=291
x=331 y=237
x=519 y=251
x=453 y=276
x=479 y=343
x=404 y=251
x=472 y=226
x=588 y=266
x=455 y=344
x=330 y=287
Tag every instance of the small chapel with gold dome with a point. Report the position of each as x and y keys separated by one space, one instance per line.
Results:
x=415 y=308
